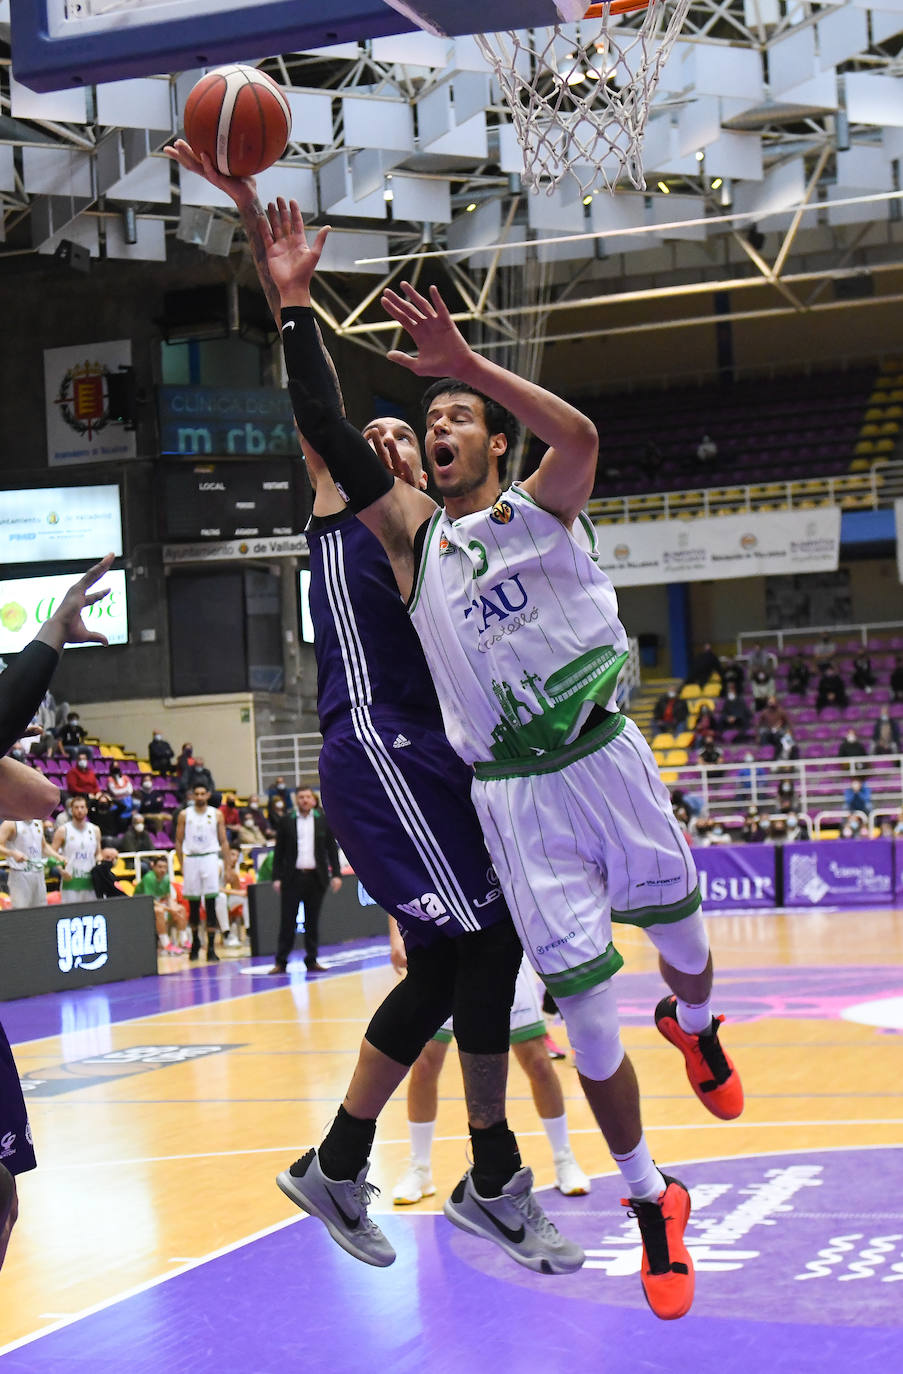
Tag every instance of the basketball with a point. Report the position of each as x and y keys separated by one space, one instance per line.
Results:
x=240 y=118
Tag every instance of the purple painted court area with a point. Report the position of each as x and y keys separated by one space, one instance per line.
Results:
x=799 y=1265
x=31 y=1018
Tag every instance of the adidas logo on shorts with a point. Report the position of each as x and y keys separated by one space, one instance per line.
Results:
x=400 y=742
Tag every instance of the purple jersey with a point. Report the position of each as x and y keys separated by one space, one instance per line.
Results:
x=397 y=795
x=368 y=652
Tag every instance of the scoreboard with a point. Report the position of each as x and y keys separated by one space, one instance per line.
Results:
x=233 y=500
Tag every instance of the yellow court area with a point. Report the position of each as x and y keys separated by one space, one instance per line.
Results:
x=159 y=1135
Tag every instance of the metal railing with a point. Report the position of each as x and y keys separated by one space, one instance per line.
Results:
x=293 y=757
x=819 y=784
x=867 y=490
x=864 y=631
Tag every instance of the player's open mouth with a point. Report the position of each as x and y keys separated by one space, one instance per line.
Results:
x=442 y=455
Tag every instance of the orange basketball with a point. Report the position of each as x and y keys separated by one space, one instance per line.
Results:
x=240 y=118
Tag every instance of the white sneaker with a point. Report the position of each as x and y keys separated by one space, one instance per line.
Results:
x=231 y=941
x=569 y=1177
x=415 y=1183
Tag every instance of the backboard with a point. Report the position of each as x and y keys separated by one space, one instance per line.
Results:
x=61 y=43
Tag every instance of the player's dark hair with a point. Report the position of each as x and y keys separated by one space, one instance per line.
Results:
x=499 y=419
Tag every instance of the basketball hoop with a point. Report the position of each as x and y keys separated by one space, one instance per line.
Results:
x=579 y=95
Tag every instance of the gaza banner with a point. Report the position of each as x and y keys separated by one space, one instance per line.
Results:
x=748 y=545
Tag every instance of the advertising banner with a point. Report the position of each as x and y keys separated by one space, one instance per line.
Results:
x=59 y=524
x=77 y=399
x=839 y=873
x=736 y=877
x=280 y=546
x=76 y=945
x=898 y=521
x=220 y=421
x=749 y=545
x=26 y=602
x=898 y=872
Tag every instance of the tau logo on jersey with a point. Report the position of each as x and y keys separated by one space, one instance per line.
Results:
x=81 y=942
x=498 y=602
x=502 y=513
x=444 y=545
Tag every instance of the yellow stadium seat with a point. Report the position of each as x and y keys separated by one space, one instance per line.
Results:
x=659 y=755
x=884 y=445
x=864 y=446
x=665 y=740
x=860 y=464
x=691 y=692
x=874 y=412
x=890 y=427
x=676 y=758
x=706 y=701
x=868 y=431
x=684 y=739
x=894 y=413
x=669 y=779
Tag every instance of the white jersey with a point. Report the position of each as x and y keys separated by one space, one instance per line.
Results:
x=200 y=831
x=519 y=626
x=29 y=840
x=79 y=848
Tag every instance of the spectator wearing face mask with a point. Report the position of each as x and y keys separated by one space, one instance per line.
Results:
x=753 y=831
x=249 y=832
x=797 y=827
x=121 y=793
x=81 y=780
x=279 y=790
x=160 y=754
x=863 y=675
x=719 y=834
x=858 y=797
x=278 y=810
x=851 y=746
x=71 y=736
x=798 y=675
x=105 y=884
x=670 y=712
x=149 y=801
x=883 y=729
x=136 y=839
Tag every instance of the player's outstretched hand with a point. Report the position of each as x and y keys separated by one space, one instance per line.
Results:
x=441 y=347
x=242 y=190
x=66 y=626
x=291 y=260
x=387 y=451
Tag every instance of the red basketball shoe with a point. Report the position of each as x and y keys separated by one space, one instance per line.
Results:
x=711 y=1072
x=667 y=1273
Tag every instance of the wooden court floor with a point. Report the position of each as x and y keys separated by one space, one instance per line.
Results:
x=163 y=1109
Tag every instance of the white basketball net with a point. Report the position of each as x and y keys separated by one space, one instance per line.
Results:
x=579 y=94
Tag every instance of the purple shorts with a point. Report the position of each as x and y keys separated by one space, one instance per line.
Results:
x=398 y=800
x=16 y=1148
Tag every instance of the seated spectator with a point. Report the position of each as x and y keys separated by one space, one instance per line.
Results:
x=705 y=665
x=797 y=827
x=249 y=832
x=732 y=674
x=278 y=810
x=149 y=801
x=858 y=796
x=198 y=774
x=896 y=679
x=798 y=675
x=81 y=780
x=101 y=814
x=886 y=830
x=121 y=793
x=863 y=676
x=786 y=748
x=105 y=884
x=749 y=774
x=670 y=712
x=786 y=800
x=45 y=719
x=692 y=803
x=853 y=827
x=885 y=743
x=259 y=814
x=186 y=756
x=824 y=650
x=777 y=830
x=706 y=724
x=711 y=752
x=762 y=685
x=159 y=754
x=735 y=715
x=71 y=736
x=699 y=828
x=851 y=746
x=753 y=831
x=229 y=808
x=707 y=450
x=831 y=689
x=278 y=790
x=136 y=839
x=682 y=816
x=885 y=725
x=762 y=659
x=719 y=833
x=168 y=910
x=772 y=721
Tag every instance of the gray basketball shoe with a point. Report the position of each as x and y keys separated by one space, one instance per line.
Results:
x=516 y=1222
x=341 y=1205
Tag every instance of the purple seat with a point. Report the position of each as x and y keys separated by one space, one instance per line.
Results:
x=162 y=841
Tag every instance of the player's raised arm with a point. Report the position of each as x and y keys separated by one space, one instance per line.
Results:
x=391 y=509
x=564 y=480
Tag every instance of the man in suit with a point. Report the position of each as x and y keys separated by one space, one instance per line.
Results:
x=305 y=864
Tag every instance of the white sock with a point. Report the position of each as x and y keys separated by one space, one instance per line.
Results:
x=640 y=1174
x=163 y=941
x=422 y=1133
x=694 y=1017
x=556 y=1128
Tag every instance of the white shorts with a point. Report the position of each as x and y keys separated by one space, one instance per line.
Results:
x=27 y=888
x=200 y=875
x=584 y=839
x=526 y=1011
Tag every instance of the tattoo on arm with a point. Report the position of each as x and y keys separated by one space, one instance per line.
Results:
x=251 y=219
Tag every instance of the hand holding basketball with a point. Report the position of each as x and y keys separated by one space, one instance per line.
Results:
x=242 y=190
x=291 y=260
x=240 y=118
x=441 y=347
